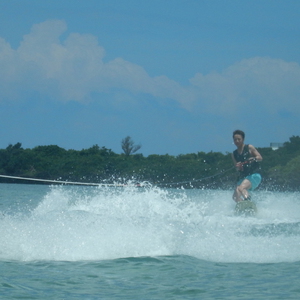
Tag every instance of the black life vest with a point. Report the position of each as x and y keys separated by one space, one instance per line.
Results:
x=248 y=167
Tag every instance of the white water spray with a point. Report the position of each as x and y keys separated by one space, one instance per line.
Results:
x=96 y=223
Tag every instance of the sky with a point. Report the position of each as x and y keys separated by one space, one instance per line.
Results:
x=177 y=76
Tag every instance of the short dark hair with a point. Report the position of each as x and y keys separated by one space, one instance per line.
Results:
x=240 y=132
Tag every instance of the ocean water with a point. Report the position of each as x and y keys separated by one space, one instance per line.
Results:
x=77 y=242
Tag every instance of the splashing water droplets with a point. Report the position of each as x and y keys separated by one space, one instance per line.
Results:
x=95 y=223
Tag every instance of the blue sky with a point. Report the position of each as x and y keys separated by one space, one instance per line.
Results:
x=176 y=76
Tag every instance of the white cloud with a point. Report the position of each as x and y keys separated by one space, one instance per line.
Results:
x=264 y=82
x=73 y=69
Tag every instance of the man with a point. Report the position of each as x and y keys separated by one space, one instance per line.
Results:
x=246 y=160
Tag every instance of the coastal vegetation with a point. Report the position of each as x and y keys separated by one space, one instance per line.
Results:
x=280 y=168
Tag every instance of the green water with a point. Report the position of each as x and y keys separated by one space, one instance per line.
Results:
x=90 y=243
x=171 y=277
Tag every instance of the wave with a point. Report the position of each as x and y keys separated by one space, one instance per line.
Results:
x=88 y=223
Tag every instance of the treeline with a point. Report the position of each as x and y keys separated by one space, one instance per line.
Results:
x=280 y=168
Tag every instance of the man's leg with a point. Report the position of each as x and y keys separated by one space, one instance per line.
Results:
x=241 y=191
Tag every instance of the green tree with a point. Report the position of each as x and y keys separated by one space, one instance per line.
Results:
x=129 y=147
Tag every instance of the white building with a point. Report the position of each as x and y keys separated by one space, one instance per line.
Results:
x=275 y=146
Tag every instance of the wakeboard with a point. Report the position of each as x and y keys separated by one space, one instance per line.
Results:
x=245 y=208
